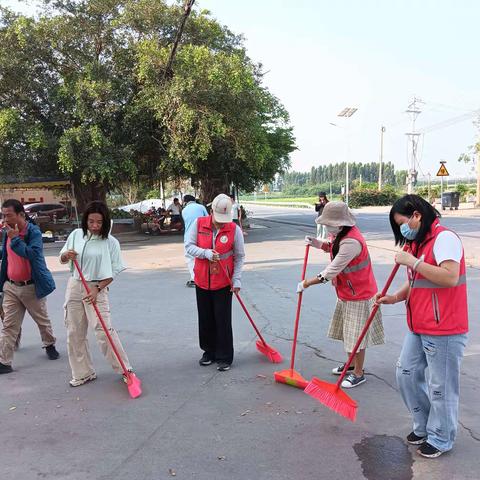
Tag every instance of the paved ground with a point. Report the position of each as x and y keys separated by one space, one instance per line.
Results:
x=196 y=423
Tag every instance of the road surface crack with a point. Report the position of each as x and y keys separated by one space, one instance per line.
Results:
x=470 y=431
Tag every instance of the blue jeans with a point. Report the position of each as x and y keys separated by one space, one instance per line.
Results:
x=432 y=396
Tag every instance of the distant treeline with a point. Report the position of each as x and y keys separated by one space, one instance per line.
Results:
x=326 y=177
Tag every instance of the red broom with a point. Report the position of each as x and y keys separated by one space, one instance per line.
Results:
x=134 y=384
x=330 y=394
x=262 y=345
x=290 y=376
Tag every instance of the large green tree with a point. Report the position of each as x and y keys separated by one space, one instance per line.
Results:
x=84 y=92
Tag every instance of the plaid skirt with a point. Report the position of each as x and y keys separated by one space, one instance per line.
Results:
x=348 y=320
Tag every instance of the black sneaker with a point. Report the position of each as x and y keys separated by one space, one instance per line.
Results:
x=413 y=439
x=429 y=451
x=339 y=370
x=351 y=380
x=223 y=367
x=190 y=284
x=52 y=353
x=205 y=360
x=5 y=368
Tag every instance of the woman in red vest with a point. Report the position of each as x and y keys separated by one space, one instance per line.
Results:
x=435 y=296
x=212 y=240
x=350 y=271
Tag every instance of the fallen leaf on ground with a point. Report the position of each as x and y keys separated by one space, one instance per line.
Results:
x=246 y=412
x=13 y=408
x=172 y=472
x=222 y=457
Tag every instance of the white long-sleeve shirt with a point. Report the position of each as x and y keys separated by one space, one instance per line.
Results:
x=348 y=250
x=194 y=250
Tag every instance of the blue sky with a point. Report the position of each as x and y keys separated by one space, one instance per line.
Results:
x=322 y=56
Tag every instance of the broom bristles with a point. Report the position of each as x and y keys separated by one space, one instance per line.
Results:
x=290 y=377
x=330 y=395
x=269 y=352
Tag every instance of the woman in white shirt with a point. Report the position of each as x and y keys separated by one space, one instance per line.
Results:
x=98 y=254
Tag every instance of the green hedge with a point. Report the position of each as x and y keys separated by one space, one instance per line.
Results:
x=117 y=213
x=367 y=197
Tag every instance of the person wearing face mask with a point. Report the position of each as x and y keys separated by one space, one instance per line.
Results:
x=435 y=296
x=350 y=271
x=217 y=245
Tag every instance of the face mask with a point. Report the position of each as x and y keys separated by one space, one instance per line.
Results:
x=333 y=230
x=408 y=232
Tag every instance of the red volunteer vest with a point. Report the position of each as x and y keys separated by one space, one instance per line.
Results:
x=434 y=310
x=356 y=282
x=224 y=242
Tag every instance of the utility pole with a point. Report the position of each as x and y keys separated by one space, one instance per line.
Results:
x=477 y=199
x=429 y=185
x=414 y=111
x=382 y=131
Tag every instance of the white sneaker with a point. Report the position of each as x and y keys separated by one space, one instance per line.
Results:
x=76 y=383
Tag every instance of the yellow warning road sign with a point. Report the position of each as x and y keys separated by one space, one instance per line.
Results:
x=442 y=171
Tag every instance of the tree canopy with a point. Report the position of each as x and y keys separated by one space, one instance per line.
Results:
x=83 y=93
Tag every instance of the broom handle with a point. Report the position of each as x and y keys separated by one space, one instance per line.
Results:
x=368 y=322
x=102 y=322
x=243 y=305
x=299 y=306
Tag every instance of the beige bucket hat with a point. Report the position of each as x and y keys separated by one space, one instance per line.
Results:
x=336 y=214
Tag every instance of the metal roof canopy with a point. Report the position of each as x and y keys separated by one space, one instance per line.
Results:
x=36 y=183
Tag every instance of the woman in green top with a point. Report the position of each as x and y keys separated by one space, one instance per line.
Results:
x=99 y=257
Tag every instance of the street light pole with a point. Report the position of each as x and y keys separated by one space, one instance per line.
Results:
x=347 y=112
x=382 y=131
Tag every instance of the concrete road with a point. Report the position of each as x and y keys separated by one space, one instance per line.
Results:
x=197 y=423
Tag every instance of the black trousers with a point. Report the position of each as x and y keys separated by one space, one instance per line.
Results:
x=215 y=323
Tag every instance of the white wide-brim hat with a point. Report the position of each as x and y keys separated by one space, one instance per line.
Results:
x=336 y=214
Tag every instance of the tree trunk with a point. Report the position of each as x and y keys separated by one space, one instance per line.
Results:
x=211 y=187
x=85 y=193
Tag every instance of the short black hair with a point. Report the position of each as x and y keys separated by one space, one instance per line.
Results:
x=101 y=208
x=15 y=204
x=175 y=199
x=322 y=194
x=406 y=206
x=188 y=198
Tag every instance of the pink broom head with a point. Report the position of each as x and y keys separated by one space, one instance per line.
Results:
x=134 y=385
x=332 y=397
x=269 y=352
x=290 y=377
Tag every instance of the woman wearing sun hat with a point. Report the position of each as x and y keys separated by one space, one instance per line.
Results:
x=350 y=271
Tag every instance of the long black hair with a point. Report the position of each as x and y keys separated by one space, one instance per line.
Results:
x=102 y=209
x=406 y=206
x=338 y=239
